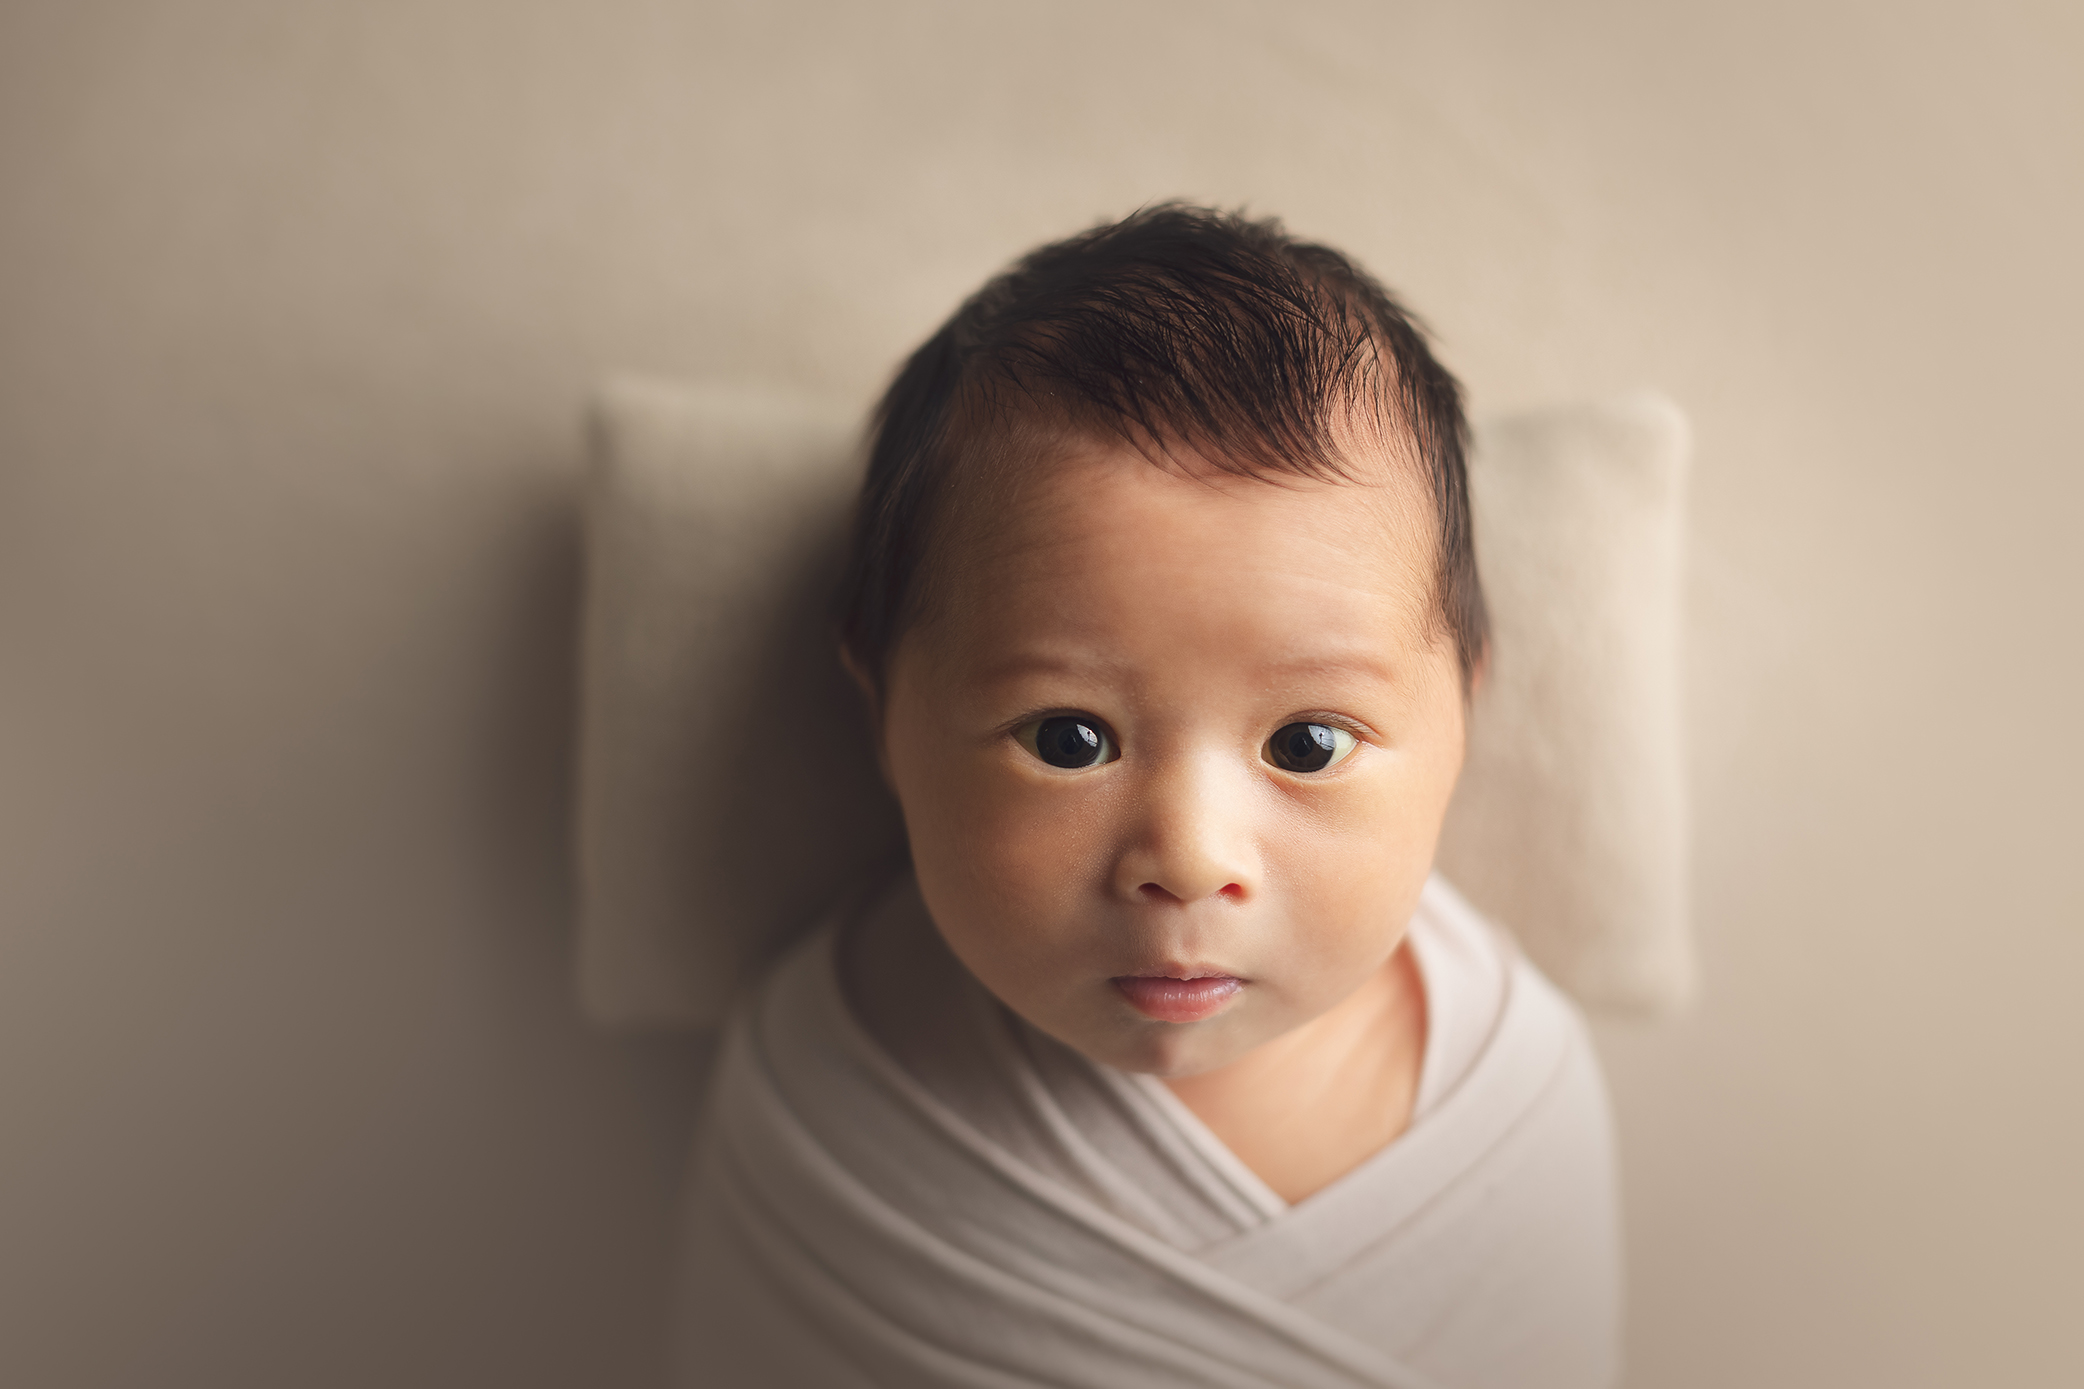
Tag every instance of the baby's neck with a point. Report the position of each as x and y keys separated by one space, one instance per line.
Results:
x=1310 y=1106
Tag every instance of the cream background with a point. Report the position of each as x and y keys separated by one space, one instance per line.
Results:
x=298 y=306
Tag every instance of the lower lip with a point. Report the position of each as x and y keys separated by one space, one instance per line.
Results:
x=1178 y=1000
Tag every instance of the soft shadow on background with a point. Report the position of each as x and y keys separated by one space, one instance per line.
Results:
x=299 y=307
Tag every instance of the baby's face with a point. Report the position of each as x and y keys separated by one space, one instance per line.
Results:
x=1175 y=748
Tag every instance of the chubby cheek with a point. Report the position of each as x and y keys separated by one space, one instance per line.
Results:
x=1348 y=871
x=1346 y=893
x=1011 y=871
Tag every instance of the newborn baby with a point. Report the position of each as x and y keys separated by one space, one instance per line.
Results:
x=1167 y=1062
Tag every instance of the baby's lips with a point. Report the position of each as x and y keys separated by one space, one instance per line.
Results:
x=1178 y=1000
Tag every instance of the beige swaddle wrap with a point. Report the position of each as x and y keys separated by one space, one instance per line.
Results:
x=959 y=1200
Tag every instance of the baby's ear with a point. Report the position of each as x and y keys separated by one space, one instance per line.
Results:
x=872 y=698
x=863 y=681
x=1479 y=673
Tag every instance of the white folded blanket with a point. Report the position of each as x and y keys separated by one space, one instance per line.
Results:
x=993 y=1209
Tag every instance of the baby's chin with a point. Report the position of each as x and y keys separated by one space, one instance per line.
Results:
x=1172 y=1050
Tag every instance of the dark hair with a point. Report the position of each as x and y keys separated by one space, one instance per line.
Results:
x=1178 y=325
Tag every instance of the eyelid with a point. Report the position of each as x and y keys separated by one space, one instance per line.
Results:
x=1325 y=716
x=1057 y=711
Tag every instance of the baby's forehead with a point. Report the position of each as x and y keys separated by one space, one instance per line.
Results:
x=1111 y=521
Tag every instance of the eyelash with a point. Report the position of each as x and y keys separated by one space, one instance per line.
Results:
x=1354 y=726
x=1323 y=716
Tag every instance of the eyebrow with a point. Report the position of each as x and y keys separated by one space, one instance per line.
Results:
x=1348 y=663
x=1031 y=663
x=1044 y=663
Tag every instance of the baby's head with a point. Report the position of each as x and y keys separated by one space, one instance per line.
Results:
x=1164 y=592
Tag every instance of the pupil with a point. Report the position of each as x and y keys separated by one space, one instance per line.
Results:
x=1304 y=747
x=1067 y=742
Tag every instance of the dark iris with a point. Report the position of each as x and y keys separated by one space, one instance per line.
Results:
x=1068 y=741
x=1303 y=747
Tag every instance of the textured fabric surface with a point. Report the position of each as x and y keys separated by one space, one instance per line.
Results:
x=1570 y=822
x=727 y=786
x=985 y=1207
x=727 y=790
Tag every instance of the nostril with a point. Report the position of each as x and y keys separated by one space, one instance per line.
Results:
x=1153 y=892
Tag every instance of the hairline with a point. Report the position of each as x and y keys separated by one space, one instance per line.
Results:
x=1024 y=443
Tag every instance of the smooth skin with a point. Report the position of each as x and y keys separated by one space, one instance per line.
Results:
x=1191 y=614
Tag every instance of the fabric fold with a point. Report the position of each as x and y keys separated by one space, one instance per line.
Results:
x=850 y=1225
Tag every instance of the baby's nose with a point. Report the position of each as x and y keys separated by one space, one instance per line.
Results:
x=1193 y=839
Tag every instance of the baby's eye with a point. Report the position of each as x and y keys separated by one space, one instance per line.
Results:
x=1069 y=740
x=1309 y=747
